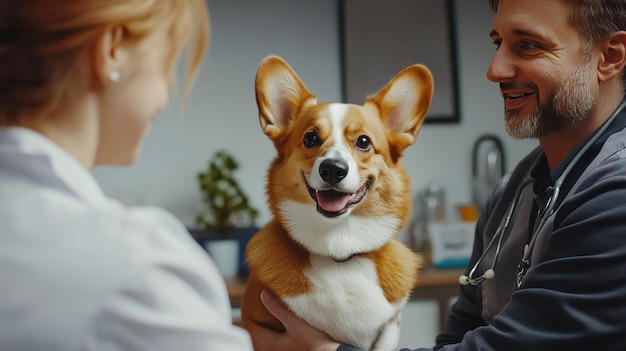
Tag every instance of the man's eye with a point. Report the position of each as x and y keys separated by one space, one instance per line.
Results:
x=527 y=45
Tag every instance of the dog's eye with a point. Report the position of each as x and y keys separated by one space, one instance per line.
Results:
x=311 y=140
x=364 y=143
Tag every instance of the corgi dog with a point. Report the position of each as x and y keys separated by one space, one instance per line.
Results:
x=339 y=194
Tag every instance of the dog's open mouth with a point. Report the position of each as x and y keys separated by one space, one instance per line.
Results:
x=333 y=203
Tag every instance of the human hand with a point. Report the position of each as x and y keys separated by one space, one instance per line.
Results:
x=396 y=320
x=299 y=334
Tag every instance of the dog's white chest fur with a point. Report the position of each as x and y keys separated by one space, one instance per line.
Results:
x=347 y=302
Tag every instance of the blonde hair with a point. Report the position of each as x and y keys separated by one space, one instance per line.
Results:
x=41 y=40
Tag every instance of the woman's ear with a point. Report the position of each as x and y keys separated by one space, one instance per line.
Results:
x=613 y=57
x=107 y=56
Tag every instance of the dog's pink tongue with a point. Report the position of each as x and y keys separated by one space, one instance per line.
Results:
x=332 y=201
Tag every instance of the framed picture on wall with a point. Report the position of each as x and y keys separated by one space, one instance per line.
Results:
x=382 y=37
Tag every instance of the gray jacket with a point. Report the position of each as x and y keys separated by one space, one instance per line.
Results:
x=573 y=296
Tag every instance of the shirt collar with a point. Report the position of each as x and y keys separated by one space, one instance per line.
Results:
x=40 y=153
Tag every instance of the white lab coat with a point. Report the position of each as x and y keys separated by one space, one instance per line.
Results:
x=79 y=271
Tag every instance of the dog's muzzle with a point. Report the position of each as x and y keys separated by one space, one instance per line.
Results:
x=333 y=202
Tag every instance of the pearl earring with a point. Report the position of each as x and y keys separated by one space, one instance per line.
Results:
x=114 y=76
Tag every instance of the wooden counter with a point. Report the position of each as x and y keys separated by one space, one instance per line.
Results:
x=440 y=285
x=435 y=284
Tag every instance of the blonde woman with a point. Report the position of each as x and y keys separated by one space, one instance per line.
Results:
x=80 y=82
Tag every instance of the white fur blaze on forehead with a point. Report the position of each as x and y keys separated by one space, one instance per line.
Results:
x=337 y=116
x=338 y=111
x=339 y=149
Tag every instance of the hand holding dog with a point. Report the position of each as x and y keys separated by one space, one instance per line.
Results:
x=300 y=335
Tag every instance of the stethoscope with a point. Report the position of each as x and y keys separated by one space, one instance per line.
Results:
x=545 y=214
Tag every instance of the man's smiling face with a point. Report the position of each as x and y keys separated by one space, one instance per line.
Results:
x=545 y=74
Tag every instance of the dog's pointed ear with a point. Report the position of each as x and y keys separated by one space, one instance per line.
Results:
x=280 y=94
x=403 y=103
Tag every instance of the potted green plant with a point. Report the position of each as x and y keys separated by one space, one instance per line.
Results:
x=228 y=211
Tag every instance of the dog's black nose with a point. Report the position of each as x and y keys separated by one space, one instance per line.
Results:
x=333 y=171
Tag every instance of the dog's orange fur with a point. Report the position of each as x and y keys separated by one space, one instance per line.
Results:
x=276 y=261
x=279 y=261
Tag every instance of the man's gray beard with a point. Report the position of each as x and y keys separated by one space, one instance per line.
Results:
x=567 y=109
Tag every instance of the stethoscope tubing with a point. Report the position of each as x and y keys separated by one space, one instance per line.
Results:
x=502 y=227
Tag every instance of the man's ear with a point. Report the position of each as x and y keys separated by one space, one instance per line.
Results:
x=107 y=55
x=613 y=57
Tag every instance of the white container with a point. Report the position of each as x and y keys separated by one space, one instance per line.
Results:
x=451 y=243
x=225 y=254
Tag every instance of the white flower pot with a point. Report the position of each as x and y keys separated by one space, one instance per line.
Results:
x=225 y=254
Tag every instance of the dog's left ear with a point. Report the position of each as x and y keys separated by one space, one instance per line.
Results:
x=403 y=104
x=280 y=95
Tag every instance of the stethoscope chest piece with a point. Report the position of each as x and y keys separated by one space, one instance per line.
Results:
x=522 y=267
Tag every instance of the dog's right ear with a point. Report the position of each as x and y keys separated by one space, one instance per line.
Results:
x=280 y=95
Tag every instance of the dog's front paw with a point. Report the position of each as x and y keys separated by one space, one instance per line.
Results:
x=389 y=336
